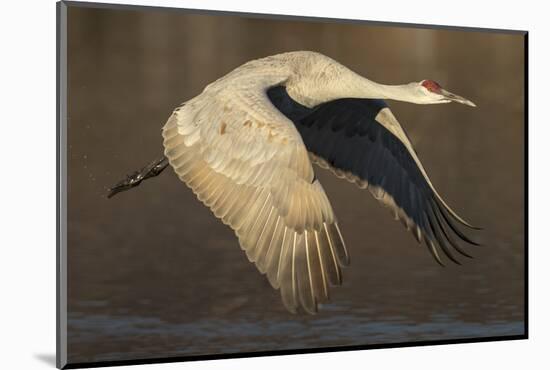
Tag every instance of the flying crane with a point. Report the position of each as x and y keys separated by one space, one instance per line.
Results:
x=246 y=145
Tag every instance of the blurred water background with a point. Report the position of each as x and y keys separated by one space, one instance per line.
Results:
x=152 y=273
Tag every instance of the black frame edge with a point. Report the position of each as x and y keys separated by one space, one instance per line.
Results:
x=526 y=179
x=61 y=124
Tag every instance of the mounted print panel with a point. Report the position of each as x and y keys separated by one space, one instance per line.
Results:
x=243 y=184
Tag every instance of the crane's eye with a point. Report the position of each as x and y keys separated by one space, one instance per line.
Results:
x=431 y=86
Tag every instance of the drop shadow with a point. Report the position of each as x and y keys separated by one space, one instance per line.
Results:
x=47 y=358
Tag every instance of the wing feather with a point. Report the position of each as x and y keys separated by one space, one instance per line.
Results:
x=247 y=162
x=360 y=140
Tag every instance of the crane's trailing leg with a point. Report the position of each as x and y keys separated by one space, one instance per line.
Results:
x=151 y=170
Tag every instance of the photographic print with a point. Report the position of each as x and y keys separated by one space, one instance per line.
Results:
x=243 y=184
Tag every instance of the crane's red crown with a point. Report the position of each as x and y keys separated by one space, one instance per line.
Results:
x=431 y=86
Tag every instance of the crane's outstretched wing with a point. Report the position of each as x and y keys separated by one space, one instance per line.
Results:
x=360 y=140
x=247 y=163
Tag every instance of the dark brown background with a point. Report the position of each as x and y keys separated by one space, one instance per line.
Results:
x=152 y=273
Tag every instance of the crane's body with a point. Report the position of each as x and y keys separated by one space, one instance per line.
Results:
x=246 y=145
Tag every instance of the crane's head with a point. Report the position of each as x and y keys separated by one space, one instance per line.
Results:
x=432 y=93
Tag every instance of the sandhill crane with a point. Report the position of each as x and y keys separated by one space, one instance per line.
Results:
x=246 y=145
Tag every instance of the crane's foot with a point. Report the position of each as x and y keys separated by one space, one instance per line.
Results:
x=134 y=179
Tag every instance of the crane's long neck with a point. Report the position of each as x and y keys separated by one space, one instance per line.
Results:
x=360 y=87
x=405 y=93
x=344 y=83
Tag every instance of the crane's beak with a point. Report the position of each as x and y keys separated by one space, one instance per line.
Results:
x=456 y=98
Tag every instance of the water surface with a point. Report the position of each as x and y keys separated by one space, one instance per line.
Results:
x=153 y=274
